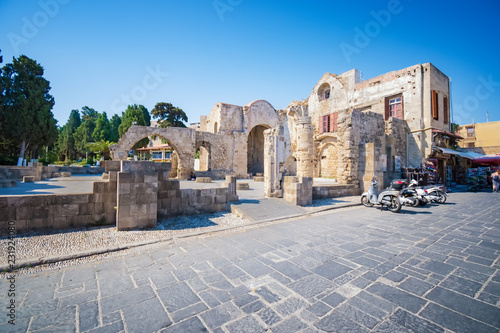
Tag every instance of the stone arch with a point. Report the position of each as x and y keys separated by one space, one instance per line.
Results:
x=324 y=91
x=260 y=112
x=255 y=149
x=181 y=139
x=328 y=159
x=205 y=148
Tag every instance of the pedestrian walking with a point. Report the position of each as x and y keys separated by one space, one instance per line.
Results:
x=495 y=177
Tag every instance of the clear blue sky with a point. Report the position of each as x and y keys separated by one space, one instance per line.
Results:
x=195 y=53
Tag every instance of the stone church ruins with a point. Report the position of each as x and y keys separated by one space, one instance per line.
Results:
x=347 y=129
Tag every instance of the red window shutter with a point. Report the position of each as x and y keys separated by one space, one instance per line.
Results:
x=446 y=110
x=387 y=109
x=320 y=129
x=435 y=111
x=332 y=123
x=335 y=119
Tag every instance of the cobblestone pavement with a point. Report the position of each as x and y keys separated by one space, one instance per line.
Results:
x=426 y=269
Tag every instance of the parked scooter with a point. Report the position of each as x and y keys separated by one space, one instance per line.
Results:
x=429 y=194
x=407 y=196
x=387 y=198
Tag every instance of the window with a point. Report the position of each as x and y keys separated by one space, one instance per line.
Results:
x=157 y=155
x=324 y=92
x=470 y=132
x=471 y=145
x=435 y=105
x=328 y=123
x=394 y=107
x=168 y=155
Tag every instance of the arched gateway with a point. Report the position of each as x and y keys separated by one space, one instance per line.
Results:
x=183 y=141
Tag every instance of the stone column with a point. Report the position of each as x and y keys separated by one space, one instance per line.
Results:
x=305 y=147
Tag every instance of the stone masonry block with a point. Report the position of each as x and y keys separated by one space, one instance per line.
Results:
x=24 y=213
x=124 y=188
x=151 y=177
x=86 y=209
x=175 y=185
x=28 y=179
x=125 y=177
x=123 y=212
x=69 y=209
x=220 y=199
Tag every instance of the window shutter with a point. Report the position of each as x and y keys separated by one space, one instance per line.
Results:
x=332 y=123
x=387 y=109
x=446 y=118
x=435 y=111
x=320 y=130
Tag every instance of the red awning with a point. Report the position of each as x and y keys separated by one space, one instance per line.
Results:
x=488 y=160
x=434 y=130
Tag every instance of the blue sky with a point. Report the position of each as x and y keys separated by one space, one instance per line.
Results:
x=195 y=53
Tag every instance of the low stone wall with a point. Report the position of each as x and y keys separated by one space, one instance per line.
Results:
x=58 y=212
x=173 y=201
x=335 y=191
x=134 y=196
x=214 y=174
x=18 y=172
x=298 y=190
x=74 y=170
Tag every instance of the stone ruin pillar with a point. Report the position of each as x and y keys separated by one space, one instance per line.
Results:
x=272 y=174
x=305 y=147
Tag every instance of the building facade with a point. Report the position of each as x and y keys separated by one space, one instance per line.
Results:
x=482 y=138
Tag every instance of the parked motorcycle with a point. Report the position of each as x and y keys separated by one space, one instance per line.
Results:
x=407 y=196
x=429 y=194
x=387 y=198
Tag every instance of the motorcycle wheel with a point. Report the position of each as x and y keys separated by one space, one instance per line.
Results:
x=422 y=202
x=395 y=205
x=366 y=202
x=442 y=197
x=416 y=202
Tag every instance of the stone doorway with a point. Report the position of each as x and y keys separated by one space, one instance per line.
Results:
x=255 y=150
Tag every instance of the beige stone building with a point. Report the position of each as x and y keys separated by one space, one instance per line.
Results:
x=347 y=129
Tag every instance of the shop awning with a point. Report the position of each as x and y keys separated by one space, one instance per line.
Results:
x=469 y=155
x=488 y=160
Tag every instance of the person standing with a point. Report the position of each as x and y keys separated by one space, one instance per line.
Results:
x=495 y=177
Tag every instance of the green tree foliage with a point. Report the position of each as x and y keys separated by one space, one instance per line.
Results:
x=169 y=115
x=26 y=106
x=102 y=131
x=66 y=142
x=101 y=147
x=114 y=123
x=454 y=127
x=134 y=114
x=83 y=133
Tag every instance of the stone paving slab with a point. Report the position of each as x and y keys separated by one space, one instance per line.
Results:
x=426 y=269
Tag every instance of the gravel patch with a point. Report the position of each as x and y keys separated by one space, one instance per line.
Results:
x=43 y=245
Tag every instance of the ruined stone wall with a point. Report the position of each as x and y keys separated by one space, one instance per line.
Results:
x=224 y=118
x=59 y=212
